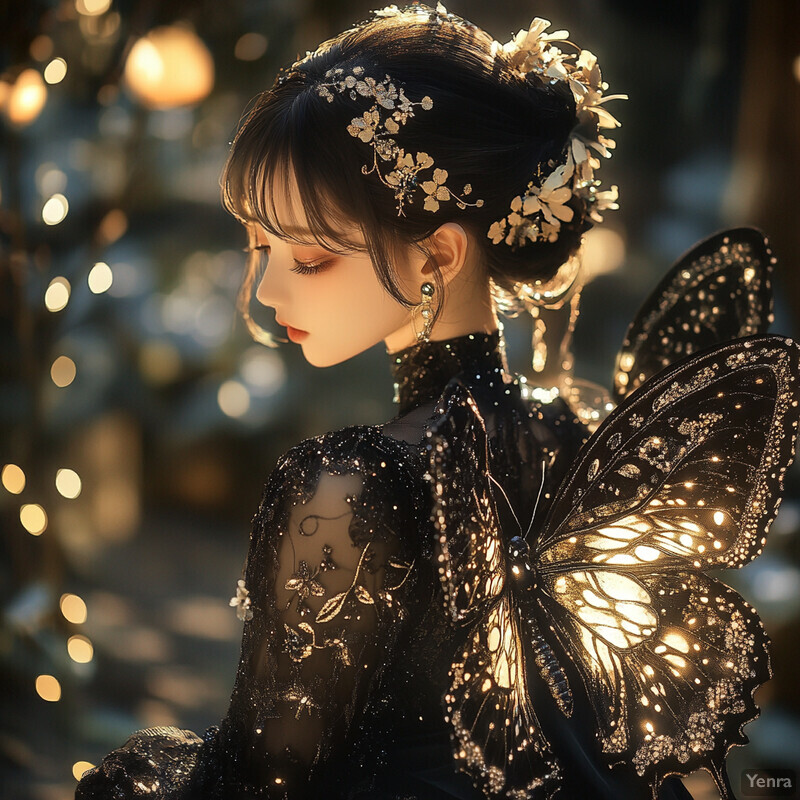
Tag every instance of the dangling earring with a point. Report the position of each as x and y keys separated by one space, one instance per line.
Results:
x=425 y=310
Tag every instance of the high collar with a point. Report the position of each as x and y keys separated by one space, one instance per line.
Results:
x=421 y=372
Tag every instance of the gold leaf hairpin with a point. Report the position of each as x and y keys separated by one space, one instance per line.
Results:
x=377 y=127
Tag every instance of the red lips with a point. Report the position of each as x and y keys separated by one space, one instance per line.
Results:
x=295 y=334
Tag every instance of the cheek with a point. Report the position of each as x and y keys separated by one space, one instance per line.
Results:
x=348 y=311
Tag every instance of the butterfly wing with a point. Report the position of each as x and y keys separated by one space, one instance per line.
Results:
x=720 y=290
x=685 y=475
x=496 y=735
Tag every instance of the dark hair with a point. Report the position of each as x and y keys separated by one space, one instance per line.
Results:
x=488 y=127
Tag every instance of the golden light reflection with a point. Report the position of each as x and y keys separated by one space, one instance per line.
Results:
x=55 y=71
x=13 y=478
x=796 y=69
x=68 y=483
x=73 y=608
x=33 y=518
x=63 y=371
x=57 y=295
x=48 y=688
x=169 y=67
x=80 y=649
x=100 y=278
x=26 y=98
x=233 y=398
x=55 y=210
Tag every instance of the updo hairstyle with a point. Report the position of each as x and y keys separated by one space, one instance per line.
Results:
x=488 y=127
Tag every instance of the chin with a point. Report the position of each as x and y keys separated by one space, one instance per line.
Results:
x=329 y=359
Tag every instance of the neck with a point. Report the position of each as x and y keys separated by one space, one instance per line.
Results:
x=422 y=372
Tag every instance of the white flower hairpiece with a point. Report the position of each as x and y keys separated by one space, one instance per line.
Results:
x=538 y=212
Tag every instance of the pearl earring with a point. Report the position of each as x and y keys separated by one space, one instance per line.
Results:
x=424 y=309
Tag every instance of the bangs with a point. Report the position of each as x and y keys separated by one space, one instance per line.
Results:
x=277 y=148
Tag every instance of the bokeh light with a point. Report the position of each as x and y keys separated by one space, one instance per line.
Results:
x=159 y=361
x=63 y=371
x=79 y=767
x=92 y=8
x=50 y=179
x=68 y=483
x=13 y=478
x=57 y=295
x=113 y=226
x=80 y=649
x=100 y=278
x=233 y=398
x=41 y=48
x=55 y=71
x=33 y=518
x=169 y=67
x=27 y=98
x=55 y=209
x=603 y=252
x=73 y=608
x=251 y=46
x=48 y=688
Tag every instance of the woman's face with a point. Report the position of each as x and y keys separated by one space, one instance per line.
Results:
x=332 y=305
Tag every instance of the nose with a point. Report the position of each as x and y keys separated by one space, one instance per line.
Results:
x=270 y=291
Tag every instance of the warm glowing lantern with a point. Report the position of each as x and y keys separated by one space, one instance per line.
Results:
x=169 y=67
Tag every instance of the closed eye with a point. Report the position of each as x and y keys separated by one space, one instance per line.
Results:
x=311 y=268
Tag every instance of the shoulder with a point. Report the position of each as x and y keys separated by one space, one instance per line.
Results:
x=380 y=464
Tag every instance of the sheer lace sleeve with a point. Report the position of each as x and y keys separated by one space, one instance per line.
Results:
x=330 y=563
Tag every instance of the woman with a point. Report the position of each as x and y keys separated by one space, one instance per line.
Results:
x=397 y=184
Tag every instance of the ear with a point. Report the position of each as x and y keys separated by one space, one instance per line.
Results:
x=449 y=245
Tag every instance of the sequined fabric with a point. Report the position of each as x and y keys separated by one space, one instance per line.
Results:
x=345 y=657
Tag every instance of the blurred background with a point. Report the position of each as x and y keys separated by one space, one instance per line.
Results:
x=138 y=421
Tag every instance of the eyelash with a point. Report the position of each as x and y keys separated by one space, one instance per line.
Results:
x=300 y=267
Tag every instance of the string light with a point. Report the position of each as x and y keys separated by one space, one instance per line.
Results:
x=73 y=608
x=57 y=295
x=33 y=518
x=13 y=478
x=68 y=483
x=48 y=688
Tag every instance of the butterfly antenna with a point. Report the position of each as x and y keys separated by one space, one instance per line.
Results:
x=508 y=502
x=538 y=498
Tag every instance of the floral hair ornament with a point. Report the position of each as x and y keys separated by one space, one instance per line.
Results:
x=402 y=172
x=537 y=213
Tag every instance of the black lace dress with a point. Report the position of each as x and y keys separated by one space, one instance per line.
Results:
x=347 y=647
